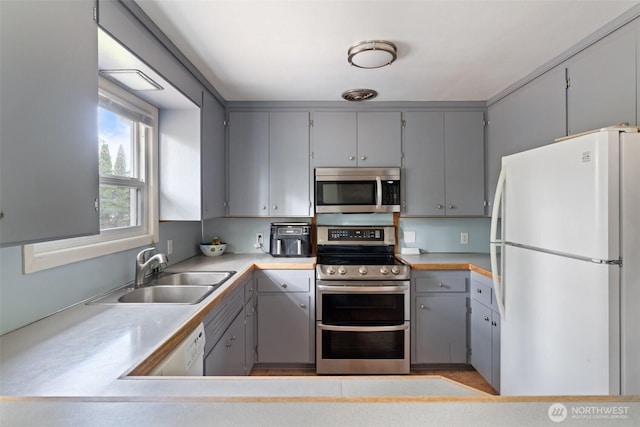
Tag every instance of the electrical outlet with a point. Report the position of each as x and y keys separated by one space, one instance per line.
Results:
x=259 y=240
x=464 y=238
x=169 y=247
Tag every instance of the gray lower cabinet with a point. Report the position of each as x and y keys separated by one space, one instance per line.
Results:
x=439 y=317
x=250 y=325
x=227 y=333
x=443 y=163
x=286 y=316
x=48 y=154
x=485 y=330
x=227 y=356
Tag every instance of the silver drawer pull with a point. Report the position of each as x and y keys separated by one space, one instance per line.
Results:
x=440 y=285
x=284 y=285
x=422 y=307
x=303 y=305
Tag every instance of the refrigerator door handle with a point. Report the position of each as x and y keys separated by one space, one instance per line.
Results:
x=497 y=285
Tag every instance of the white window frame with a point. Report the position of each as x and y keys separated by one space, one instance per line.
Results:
x=41 y=256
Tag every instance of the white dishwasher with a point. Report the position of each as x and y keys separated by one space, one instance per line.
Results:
x=186 y=359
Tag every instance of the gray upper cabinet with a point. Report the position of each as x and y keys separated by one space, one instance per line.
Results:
x=333 y=141
x=423 y=163
x=248 y=164
x=48 y=166
x=362 y=139
x=269 y=164
x=289 y=163
x=444 y=163
x=213 y=157
x=532 y=116
x=602 y=82
x=464 y=162
x=379 y=139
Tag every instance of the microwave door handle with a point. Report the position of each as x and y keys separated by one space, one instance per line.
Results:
x=378 y=192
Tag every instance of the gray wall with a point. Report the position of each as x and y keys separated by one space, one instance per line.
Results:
x=25 y=298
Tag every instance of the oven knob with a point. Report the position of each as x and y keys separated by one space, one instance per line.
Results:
x=384 y=270
x=395 y=269
x=362 y=270
x=342 y=271
x=331 y=270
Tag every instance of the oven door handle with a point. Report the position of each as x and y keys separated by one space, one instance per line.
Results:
x=364 y=328
x=363 y=289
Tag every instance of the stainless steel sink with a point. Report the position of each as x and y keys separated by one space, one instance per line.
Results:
x=195 y=278
x=189 y=287
x=186 y=294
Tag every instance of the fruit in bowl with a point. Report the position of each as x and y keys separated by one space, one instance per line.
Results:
x=215 y=248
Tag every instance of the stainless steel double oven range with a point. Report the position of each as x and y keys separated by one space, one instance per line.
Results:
x=362 y=302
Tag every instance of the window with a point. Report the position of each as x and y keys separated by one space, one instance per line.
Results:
x=127 y=164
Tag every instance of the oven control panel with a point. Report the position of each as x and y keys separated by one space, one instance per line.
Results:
x=359 y=234
x=355 y=235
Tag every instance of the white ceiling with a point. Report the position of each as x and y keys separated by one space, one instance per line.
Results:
x=296 y=50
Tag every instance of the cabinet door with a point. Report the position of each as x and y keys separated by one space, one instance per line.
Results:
x=481 y=340
x=284 y=328
x=424 y=163
x=227 y=356
x=289 y=163
x=532 y=116
x=602 y=79
x=379 y=139
x=213 y=158
x=250 y=323
x=248 y=164
x=441 y=328
x=464 y=162
x=333 y=139
x=48 y=154
x=495 y=350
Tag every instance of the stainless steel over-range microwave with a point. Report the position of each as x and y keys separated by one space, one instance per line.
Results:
x=353 y=190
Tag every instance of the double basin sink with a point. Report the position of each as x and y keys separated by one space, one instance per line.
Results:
x=169 y=288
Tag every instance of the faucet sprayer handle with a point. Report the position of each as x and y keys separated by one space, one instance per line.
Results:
x=140 y=258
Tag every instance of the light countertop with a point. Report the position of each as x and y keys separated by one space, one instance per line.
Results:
x=72 y=368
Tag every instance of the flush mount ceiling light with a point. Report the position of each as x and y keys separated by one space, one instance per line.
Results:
x=359 y=94
x=372 y=54
x=131 y=79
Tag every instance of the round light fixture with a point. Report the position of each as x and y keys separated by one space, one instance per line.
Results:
x=359 y=94
x=372 y=54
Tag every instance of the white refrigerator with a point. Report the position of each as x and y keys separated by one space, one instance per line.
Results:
x=568 y=246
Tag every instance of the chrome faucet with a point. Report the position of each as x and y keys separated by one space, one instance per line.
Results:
x=143 y=266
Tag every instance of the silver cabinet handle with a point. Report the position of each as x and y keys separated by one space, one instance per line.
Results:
x=303 y=305
x=275 y=207
x=451 y=207
x=494 y=324
x=439 y=206
x=284 y=285
x=264 y=208
x=422 y=307
x=479 y=290
x=440 y=285
x=352 y=158
x=363 y=158
x=486 y=318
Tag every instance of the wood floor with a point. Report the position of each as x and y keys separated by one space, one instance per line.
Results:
x=467 y=376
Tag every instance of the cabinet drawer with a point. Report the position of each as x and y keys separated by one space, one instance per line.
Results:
x=481 y=293
x=441 y=282
x=285 y=280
